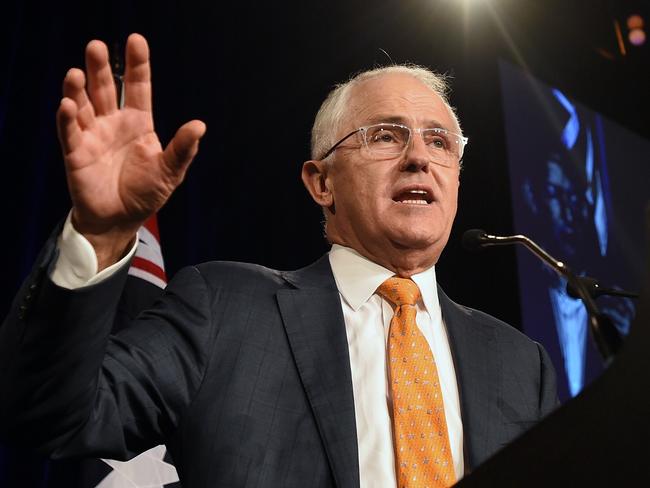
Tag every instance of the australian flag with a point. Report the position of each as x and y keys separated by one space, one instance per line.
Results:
x=151 y=469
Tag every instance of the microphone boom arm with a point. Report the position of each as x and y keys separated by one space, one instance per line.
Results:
x=557 y=265
x=607 y=338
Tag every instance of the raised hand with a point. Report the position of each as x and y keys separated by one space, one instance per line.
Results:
x=118 y=173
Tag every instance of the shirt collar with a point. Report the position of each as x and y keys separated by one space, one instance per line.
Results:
x=357 y=278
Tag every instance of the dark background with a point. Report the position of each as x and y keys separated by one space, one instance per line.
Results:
x=244 y=66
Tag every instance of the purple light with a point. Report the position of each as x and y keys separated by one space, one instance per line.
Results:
x=636 y=37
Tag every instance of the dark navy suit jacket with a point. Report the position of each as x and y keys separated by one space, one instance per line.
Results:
x=242 y=371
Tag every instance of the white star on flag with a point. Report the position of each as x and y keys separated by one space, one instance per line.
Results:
x=147 y=470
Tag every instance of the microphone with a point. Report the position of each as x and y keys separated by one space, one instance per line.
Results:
x=476 y=239
x=606 y=335
x=596 y=290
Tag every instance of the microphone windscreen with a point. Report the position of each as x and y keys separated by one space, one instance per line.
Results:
x=473 y=239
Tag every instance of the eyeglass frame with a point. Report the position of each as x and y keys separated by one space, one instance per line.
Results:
x=419 y=130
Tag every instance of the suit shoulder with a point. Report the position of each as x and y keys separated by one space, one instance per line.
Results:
x=231 y=274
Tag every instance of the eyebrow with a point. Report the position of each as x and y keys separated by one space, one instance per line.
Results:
x=398 y=119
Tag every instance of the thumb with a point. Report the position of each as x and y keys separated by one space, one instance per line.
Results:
x=183 y=147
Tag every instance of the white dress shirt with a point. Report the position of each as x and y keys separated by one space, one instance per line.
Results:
x=367 y=320
x=76 y=265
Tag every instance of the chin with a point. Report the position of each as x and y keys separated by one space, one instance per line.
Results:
x=414 y=238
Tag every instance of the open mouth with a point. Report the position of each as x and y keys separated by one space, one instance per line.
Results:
x=414 y=196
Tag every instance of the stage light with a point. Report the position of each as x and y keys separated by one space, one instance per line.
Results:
x=635 y=22
x=636 y=37
x=636 y=34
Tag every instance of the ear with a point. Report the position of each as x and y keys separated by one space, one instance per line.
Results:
x=315 y=178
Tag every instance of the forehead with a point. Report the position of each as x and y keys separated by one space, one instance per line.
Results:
x=397 y=96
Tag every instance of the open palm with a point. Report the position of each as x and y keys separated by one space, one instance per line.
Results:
x=118 y=173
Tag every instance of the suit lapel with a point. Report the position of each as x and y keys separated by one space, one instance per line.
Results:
x=314 y=323
x=477 y=372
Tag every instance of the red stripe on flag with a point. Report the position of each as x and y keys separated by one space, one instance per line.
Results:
x=149 y=267
x=152 y=226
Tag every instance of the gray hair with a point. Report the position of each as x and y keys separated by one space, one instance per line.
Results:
x=334 y=109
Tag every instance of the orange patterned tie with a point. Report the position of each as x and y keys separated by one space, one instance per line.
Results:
x=422 y=454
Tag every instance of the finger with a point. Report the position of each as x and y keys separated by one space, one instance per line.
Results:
x=74 y=87
x=101 y=87
x=183 y=147
x=137 y=74
x=67 y=126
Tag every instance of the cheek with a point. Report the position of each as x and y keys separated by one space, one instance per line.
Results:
x=451 y=194
x=358 y=189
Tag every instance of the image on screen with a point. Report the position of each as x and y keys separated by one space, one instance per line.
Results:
x=579 y=186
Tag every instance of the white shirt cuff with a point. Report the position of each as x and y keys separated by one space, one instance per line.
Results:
x=76 y=265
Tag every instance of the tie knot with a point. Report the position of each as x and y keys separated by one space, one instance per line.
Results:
x=399 y=291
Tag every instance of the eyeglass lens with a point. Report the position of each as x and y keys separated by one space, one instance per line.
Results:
x=391 y=139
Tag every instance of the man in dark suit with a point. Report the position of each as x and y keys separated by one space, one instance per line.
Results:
x=255 y=377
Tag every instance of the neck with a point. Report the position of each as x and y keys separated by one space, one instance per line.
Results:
x=404 y=262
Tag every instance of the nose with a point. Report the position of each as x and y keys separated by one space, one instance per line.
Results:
x=416 y=155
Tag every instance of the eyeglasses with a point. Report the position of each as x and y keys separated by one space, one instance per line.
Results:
x=385 y=141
